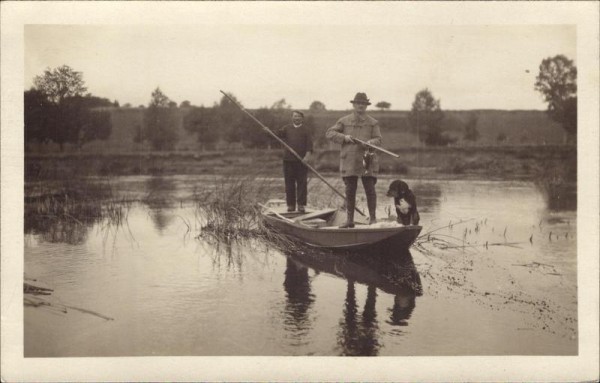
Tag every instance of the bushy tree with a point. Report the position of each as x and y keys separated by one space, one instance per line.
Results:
x=39 y=116
x=317 y=106
x=426 y=117
x=99 y=127
x=557 y=82
x=60 y=83
x=160 y=122
x=229 y=119
x=159 y=99
x=204 y=123
x=56 y=110
x=471 y=132
x=383 y=105
x=281 y=104
x=81 y=123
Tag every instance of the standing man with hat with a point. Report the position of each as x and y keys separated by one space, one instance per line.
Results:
x=366 y=128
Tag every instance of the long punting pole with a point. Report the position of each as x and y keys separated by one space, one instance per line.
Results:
x=289 y=149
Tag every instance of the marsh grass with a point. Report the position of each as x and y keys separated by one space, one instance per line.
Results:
x=228 y=206
x=63 y=211
x=558 y=184
x=228 y=212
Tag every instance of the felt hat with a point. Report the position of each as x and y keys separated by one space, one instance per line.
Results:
x=361 y=98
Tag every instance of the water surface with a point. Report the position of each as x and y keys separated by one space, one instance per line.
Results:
x=171 y=292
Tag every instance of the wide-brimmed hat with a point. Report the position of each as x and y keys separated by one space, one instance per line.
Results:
x=361 y=98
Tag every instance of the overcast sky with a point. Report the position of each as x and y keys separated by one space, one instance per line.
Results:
x=467 y=67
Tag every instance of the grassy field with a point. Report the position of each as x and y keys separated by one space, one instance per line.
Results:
x=520 y=127
x=526 y=128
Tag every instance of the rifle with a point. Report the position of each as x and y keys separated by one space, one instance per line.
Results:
x=375 y=147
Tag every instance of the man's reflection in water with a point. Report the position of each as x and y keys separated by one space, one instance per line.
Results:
x=355 y=337
x=359 y=332
x=298 y=298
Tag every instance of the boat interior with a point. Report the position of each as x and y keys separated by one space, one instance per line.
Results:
x=329 y=218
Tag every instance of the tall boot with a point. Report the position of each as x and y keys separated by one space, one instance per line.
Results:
x=369 y=184
x=350 y=183
x=350 y=217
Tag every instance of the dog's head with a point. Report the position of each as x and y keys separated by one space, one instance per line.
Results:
x=398 y=189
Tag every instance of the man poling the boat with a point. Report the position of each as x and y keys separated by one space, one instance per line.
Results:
x=292 y=151
x=297 y=136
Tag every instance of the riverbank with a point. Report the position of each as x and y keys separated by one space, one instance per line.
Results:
x=494 y=162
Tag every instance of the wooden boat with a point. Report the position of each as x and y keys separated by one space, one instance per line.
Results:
x=319 y=228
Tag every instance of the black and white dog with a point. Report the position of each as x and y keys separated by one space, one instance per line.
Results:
x=405 y=202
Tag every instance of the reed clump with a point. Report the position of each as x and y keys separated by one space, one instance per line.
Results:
x=558 y=183
x=63 y=211
x=228 y=207
x=228 y=210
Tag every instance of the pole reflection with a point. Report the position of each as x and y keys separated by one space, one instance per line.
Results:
x=359 y=333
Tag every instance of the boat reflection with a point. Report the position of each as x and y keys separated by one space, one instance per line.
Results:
x=393 y=274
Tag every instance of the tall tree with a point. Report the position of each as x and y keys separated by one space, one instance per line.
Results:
x=317 y=106
x=426 y=116
x=281 y=104
x=60 y=83
x=160 y=122
x=159 y=99
x=557 y=82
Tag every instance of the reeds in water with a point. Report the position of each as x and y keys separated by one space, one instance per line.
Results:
x=228 y=210
x=63 y=212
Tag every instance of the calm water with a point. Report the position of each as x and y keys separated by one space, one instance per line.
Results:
x=171 y=293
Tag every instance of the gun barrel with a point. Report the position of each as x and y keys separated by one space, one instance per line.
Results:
x=376 y=148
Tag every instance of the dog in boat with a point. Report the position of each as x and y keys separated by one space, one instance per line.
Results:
x=405 y=202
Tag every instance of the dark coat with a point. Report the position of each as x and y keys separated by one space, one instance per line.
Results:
x=298 y=139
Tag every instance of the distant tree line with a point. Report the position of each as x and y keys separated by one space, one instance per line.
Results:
x=58 y=109
x=225 y=121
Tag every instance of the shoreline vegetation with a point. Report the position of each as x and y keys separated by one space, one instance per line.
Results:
x=552 y=168
x=555 y=163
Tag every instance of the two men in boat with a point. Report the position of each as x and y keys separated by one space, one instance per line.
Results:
x=355 y=160
x=297 y=136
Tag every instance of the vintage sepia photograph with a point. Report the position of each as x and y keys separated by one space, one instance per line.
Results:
x=300 y=189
